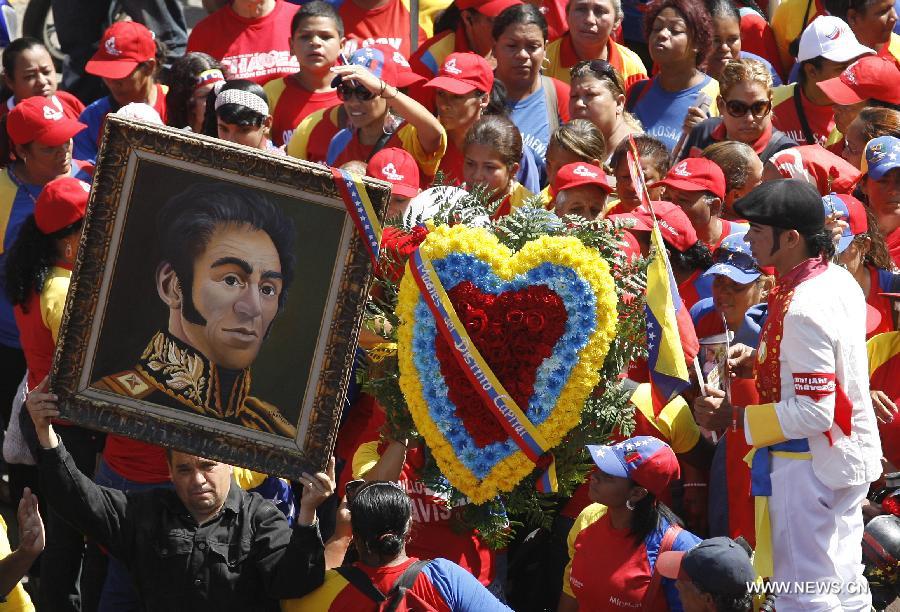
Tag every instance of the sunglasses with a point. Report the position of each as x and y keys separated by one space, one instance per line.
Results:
x=758 y=109
x=606 y=70
x=345 y=92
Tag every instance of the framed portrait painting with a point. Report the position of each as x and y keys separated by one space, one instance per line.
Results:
x=215 y=302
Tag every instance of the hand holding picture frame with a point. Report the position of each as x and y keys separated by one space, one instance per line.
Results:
x=216 y=300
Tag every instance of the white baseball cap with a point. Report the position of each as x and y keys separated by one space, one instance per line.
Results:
x=831 y=38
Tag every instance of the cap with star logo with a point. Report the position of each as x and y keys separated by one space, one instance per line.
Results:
x=852 y=211
x=645 y=460
x=734 y=260
x=881 y=156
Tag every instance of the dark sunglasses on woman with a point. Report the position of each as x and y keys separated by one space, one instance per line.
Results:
x=345 y=92
x=758 y=109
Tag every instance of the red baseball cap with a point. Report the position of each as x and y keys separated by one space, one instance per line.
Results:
x=870 y=77
x=696 y=174
x=817 y=165
x=491 y=8
x=645 y=460
x=674 y=225
x=398 y=168
x=61 y=203
x=124 y=45
x=463 y=73
x=577 y=175
x=41 y=119
x=405 y=76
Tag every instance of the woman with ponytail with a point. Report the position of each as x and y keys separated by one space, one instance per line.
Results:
x=380 y=518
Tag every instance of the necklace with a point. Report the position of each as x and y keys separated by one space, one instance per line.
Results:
x=22 y=185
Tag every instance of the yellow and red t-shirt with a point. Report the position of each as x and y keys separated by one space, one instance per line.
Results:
x=785 y=117
x=561 y=56
x=312 y=137
x=428 y=59
x=787 y=25
x=884 y=376
x=289 y=104
x=608 y=570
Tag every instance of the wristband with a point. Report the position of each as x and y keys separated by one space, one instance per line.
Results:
x=689 y=485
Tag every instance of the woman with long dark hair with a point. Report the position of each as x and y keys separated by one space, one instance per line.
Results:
x=616 y=540
x=380 y=518
x=191 y=78
x=37 y=270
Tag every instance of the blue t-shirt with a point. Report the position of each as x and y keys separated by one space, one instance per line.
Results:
x=530 y=116
x=86 y=141
x=16 y=203
x=662 y=112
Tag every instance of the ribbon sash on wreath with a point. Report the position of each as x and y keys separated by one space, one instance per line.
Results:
x=359 y=206
x=499 y=402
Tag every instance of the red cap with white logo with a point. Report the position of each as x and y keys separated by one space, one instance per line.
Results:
x=873 y=77
x=398 y=168
x=490 y=8
x=40 y=119
x=674 y=225
x=578 y=175
x=405 y=75
x=696 y=174
x=463 y=73
x=62 y=202
x=124 y=45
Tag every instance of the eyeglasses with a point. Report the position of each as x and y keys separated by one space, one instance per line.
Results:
x=345 y=92
x=758 y=109
x=606 y=70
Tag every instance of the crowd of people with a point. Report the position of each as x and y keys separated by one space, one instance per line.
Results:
x=768 y=135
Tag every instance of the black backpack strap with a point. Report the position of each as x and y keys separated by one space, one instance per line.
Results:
x=380 y=143
x=362 y=582
x=404 y=583
x=804 y=124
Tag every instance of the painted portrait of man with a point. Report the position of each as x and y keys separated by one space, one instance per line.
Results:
x=226 y=264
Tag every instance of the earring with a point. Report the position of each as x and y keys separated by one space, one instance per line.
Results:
x=68 y=250
x=629 y=505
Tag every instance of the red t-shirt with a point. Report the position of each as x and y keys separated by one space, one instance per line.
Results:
x=434 y=532
x=135 y=460
x=254 y=49
x=819 y=118
x=452 y=165
x=69 y=104
x=610 y=571
x=758 y=38
x=293 y=106
x=388 y=24
x=893 y=244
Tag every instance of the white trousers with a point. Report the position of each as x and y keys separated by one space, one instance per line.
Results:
x=816 y=541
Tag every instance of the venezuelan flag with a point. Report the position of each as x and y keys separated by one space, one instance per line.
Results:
x=670 y=332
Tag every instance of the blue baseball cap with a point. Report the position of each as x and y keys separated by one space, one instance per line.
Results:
x=734 y=260
x=372 y=59
x=881 y=156
x=645 y=460
x=852 y=211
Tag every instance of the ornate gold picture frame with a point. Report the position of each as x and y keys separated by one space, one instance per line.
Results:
x=194 y=324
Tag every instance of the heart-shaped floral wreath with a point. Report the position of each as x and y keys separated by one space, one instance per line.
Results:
x=543 y=319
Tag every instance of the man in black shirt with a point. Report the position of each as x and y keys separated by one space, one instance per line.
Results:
x=206 y=545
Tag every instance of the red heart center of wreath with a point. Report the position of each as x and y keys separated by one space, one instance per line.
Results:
x=514 y=331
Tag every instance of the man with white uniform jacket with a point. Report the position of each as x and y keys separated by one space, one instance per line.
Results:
x=814 y=434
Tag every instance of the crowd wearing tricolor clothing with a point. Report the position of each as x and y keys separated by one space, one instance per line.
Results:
x=761 y=138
